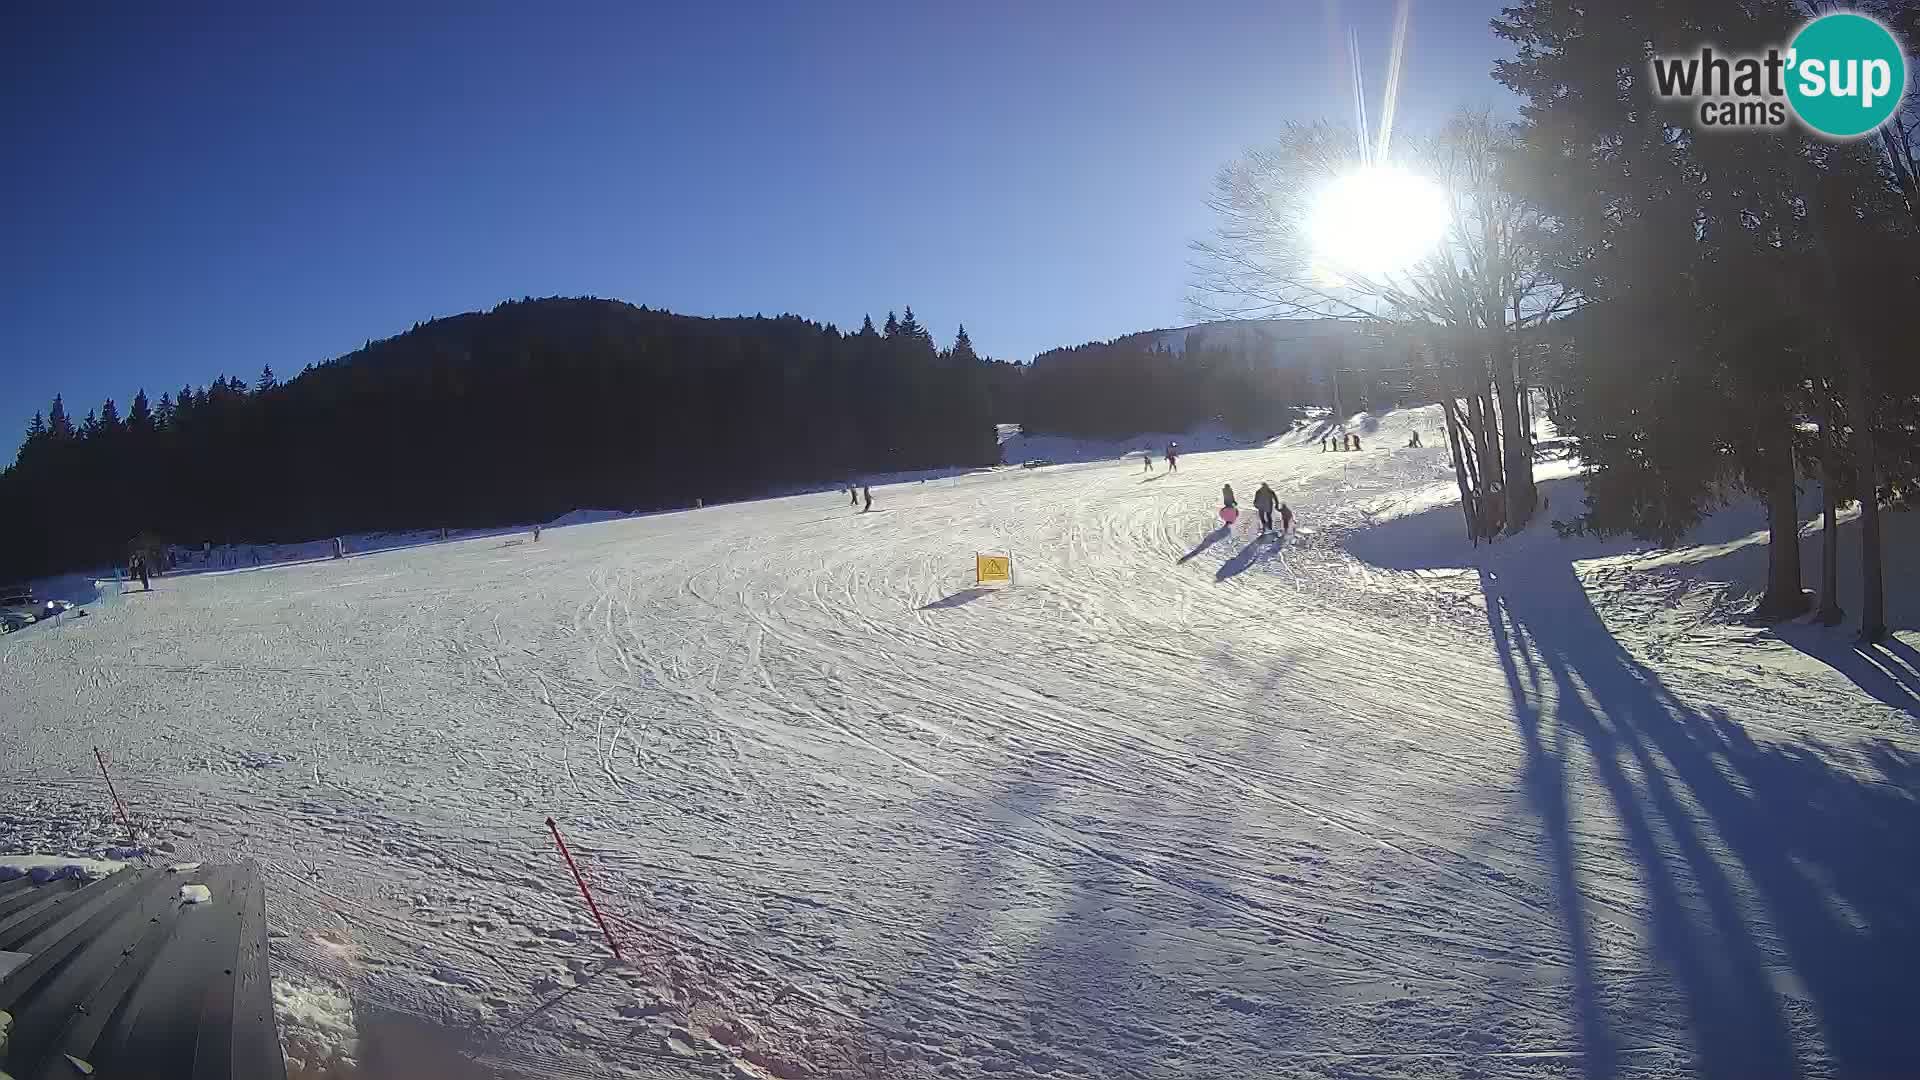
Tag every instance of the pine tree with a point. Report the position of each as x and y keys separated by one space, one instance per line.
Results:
x=109 y=416
x=163 y=412
x=910 y=328
x=140 y=416
x=57 y=423
x=893 y=327
x=1678 y=377
x=38 y=428
x=267 y=381
x=963 y=347
x=866 y=327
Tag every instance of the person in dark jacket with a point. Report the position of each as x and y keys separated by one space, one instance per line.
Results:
x=1286 y=519
x=1173 y=457
x=1226 y=497
x=1263 y=501
x=867 y=490
x=139 y=569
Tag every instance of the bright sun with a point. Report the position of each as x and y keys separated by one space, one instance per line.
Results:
x=1378 y=220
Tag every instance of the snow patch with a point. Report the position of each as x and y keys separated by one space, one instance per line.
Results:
x=317 y=1031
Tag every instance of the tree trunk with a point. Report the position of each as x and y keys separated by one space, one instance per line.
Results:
x=1830 y=612
x=1784 y=598
x=1485 y=438
x=1518 y=462
x=1460 y=469
x=1866 y=460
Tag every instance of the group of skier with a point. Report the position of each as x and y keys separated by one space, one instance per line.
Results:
x=1173 y=458
x=1264 y=503
x=1343 y=441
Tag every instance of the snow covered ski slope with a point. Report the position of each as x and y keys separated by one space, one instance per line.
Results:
x=1178 y=803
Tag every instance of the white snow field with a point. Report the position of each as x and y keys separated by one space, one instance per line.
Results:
x=1177 y=803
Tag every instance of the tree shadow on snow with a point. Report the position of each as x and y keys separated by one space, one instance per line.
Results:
x=1753 y=856
x=1889 y=671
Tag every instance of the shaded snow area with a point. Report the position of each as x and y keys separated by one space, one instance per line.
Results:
x=1018 y=446
x=1181 y=802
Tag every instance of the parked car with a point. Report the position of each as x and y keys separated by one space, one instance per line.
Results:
x=16 y=617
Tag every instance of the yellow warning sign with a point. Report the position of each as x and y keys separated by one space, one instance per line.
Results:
x=993 y=569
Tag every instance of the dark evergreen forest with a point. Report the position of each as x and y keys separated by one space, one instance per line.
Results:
x=512 y=415
x=1115 y=389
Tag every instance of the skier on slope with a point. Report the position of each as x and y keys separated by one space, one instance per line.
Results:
x=867 y=490
x=1173 y=457
x=1226 y=497
x=1263 y=501
x=1146 y=459
x=1286 y=519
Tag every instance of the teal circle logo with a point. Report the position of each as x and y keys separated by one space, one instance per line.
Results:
x=1846 y=74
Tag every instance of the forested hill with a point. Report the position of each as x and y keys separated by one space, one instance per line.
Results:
x=511 y=415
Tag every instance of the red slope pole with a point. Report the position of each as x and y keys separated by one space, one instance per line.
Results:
x=585 y=893
x=118 y=806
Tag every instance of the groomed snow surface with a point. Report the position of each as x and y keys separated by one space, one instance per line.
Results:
x=1178 y=803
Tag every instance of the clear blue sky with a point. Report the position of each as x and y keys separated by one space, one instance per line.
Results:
x=183 y=197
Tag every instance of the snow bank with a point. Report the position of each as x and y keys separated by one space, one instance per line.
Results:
x=585 y=517
x=54 y=867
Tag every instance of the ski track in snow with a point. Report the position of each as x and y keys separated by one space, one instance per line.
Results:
x=1255 y=809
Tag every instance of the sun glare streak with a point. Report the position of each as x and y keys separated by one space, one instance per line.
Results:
x=1390 y=98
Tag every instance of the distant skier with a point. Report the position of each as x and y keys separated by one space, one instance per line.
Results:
x=1286 y=519
x=1263 y=501
x=1173 y=457
x=853 y=494
x=867 y=490
x=1414 y=443
x=139 y=569
x=1146 y=460
x=1323 y=444
x=1226 y=497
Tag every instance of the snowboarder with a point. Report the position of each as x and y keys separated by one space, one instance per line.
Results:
x=1263 y=501
x=867 y=490
x=1286 y=519
x=1173 y=457
x=1226 y=497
